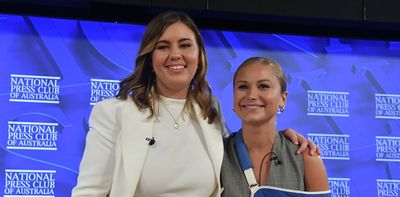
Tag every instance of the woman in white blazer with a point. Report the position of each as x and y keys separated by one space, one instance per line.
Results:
x=162 y=135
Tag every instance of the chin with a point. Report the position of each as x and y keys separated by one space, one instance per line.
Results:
x=179 y=84
x=252 y=120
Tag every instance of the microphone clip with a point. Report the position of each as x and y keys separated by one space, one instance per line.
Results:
x=151 y=141
x=276 y=159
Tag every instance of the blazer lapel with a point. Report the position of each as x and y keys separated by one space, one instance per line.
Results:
x=213 y=139
x=136 y=128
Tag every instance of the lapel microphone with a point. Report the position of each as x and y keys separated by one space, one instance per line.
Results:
x=275 y=158
x=151 y=141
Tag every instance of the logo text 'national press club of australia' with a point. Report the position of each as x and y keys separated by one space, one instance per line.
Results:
x=340 y=187
x=387 y=187
x=34 y=89
x=332 y=146
x=387 y=106
x=387 y=148
x=102 y=88
x=28 y=182
x=327 y=103
x=32 y=135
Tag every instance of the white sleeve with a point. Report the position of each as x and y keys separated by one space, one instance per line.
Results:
x=97 y=164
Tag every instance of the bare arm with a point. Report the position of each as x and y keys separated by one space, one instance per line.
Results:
x=315 y=176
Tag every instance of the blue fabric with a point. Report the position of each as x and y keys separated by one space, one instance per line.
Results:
x=241 y=152
x=278 y=192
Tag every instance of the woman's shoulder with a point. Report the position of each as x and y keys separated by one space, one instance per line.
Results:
x=112 y=106
x=280 y=138
x=113 y=103
x=110 y=101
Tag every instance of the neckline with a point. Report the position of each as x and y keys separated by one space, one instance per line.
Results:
x=242 y=152
x=243 y=157
x=169 y=101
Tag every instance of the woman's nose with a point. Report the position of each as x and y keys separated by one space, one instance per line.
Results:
x=175 y=54
x=252 y=94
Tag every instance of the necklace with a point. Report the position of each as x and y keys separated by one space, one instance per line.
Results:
x=176 y=124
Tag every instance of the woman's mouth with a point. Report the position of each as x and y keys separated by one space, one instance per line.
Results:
x=177 y=67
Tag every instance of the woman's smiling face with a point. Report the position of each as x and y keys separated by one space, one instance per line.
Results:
x=175 y=60
x=257 y=94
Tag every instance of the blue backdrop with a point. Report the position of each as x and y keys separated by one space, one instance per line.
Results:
x=344 y=94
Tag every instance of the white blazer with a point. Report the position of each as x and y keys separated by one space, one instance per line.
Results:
x=116 y=148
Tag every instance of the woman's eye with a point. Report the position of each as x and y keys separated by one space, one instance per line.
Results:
x=263 y=86
x=242 y=87
x=160 y=47
x=186 y=45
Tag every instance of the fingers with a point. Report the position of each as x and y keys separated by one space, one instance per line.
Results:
x=313 y=147
x=306 y=143
x=293 y=136
x=303 y=146
x=302 y=141
x=297 y=138
x=318 y=151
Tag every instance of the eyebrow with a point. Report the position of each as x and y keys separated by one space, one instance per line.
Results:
x=264 y=80
x=259 y=81
x=180 y=40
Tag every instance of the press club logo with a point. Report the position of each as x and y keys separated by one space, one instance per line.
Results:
x=102 y=89
x=332 y=146
x=327 y=103
x=34 y=89
x=387 y=148
x=386 y=188
x=32 y=135
x=23 y=182
x=387 y=106
x=340 y=187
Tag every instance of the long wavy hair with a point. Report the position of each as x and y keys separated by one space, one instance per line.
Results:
x=140 y=85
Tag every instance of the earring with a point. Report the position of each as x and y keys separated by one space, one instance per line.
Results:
x=282 y=109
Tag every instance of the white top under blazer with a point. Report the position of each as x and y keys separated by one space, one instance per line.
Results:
x=177 y=164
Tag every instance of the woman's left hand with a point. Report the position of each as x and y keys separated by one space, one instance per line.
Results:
x=297 y=138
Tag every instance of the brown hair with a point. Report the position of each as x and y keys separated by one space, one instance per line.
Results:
x=275 y=67
x=140 y=85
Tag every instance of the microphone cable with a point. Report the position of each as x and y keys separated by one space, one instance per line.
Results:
x=274 y=156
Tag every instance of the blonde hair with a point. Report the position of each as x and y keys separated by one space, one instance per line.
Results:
x=275 y=67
